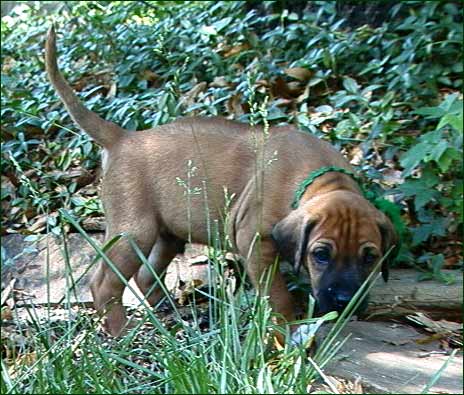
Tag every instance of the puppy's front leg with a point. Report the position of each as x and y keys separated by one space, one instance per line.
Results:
x=260 y=261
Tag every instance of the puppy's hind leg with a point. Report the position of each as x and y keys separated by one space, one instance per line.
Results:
x=106 y=285
x=164 y=251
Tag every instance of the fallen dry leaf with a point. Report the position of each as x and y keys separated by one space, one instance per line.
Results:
x=94 y=224
x=436 y=326
x=188 y=98
x=188 y=290
x=6 y=313
x=280 y=88
x=26 y=359
x=112 y=91
x=356 y=155
x=39 y=224
x=236 y=49
x=299 y=73
x=234 y=106
x=430 y=339
x=198 y=260
x=219 y=82
x=67 y=174
x=392 y=177
x=150 y=75
x=400 y=342
x=7 y=291
x=442 y=329
x=304 y=95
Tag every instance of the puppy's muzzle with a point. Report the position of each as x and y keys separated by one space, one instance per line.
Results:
x=337 y=299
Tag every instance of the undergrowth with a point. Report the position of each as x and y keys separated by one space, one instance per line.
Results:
x=388 y=97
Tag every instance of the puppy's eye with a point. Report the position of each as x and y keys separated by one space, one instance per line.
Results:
x=369 y=258
x=321 y=255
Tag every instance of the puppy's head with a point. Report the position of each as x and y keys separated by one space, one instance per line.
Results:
x=340 y=237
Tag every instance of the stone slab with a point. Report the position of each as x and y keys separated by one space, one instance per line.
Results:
x=387 y=359
x=43 y=273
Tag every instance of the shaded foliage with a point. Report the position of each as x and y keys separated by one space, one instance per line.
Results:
x=387 y=96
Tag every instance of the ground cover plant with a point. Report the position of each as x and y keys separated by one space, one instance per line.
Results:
x=388 y=96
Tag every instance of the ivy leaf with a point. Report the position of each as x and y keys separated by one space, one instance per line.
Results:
x=436 y=227
x=437 y=151
x=431 y=112
x=351 y=85
x=125 y=80
x=208 y=30
x=450 y=104
x=446 y=159
x=435 y=264
x=411 y=158
x=429 y=177
x=455 y=121
x=420 y=190
x=221 y=24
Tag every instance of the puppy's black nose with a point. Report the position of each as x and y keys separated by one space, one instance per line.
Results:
x=342 y=300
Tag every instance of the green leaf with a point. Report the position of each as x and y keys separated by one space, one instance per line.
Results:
x=327 y=58
x=208 y=30
x=447 y=278
x=449 y=104
x=423 y=194
x=425 y=276
x=370 y=88
x=437 y=262
x=455 y=121
x=351 y=85
x=431 y=112
x=221 y=24
x=275 y=113
x=447 y=158
x=341 y=99
x=437 y=151
x=78 y=201
x=429 y=177
x=423 y=232
x=411 y=158
x=125 y=80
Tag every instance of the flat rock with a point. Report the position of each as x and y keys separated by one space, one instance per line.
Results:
x=387 y=359
x=44 y=274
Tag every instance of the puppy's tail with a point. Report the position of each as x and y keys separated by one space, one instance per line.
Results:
x=103 y=132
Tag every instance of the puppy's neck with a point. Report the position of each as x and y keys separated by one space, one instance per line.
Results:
x=330 y=182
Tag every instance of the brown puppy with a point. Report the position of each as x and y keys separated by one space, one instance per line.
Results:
x=334 y=231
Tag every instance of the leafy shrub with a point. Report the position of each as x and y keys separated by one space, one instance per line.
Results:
x=386 y=96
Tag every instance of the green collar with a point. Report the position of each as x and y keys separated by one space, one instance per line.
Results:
x=315 y=174
x=390 y=209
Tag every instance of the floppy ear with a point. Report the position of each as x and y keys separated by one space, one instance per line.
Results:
x=291 y=236
x=389 y=239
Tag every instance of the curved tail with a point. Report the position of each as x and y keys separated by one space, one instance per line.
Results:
x=103 y=132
